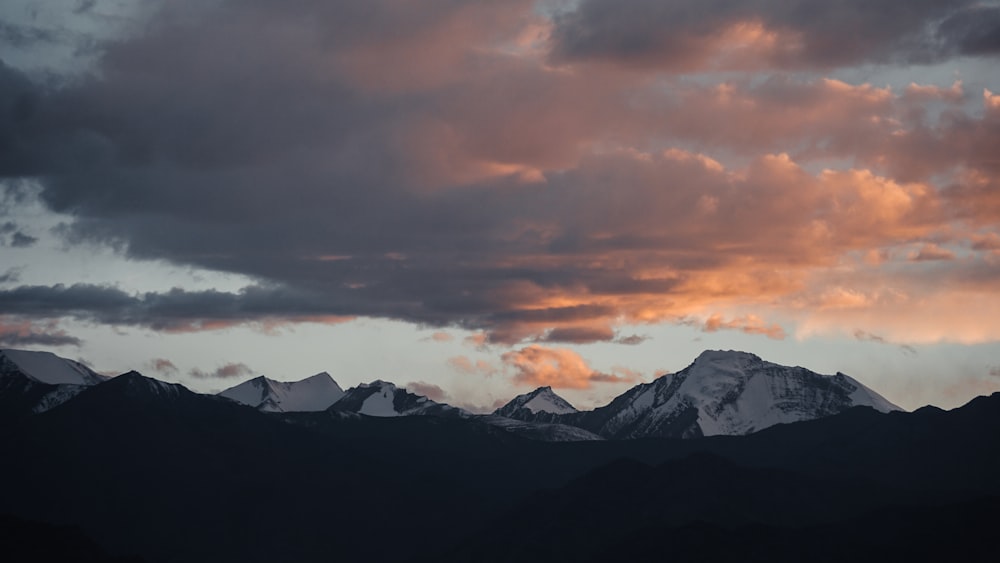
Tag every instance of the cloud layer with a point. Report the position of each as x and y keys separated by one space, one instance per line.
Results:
x=541 y=178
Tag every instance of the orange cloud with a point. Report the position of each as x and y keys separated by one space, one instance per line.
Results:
x=441 y=337
x=464 y=365
x=954 y=94
x=749 y=324
x=932 y=253
x=561 y=368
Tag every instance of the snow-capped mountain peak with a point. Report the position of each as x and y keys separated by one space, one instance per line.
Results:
x=729 y=392
x=726 y=360
x=42 y=379
x=312 y=394
x=46 y=367
x=384 y=399
x=541 y=400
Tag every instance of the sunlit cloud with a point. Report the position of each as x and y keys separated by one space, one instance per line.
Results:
x=467 y=366
x=560 y=368
x=485 y=167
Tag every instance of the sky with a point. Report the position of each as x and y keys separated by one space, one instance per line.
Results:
x=476 y=198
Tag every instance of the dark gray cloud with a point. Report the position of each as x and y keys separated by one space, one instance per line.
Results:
x=386 y=159
x=684 y=34
x=12 y=275
x=21 y=240
x=975 y=31
x=175 y=310
x=23 y=36
x=869 y=337
x=83 y=6
x=15 y=331
x=632 y=339
x=579 y=335
x=38 y=339
x=17 y=237
x=227 y=371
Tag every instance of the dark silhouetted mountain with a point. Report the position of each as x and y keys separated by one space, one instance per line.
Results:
x=151 y=468
x=37 y=542
x=311 y=394
x=547 y=432
x=933 y=476
x=384 y=399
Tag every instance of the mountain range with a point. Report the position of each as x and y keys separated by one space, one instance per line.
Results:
x=150 y=470
x=728 y=393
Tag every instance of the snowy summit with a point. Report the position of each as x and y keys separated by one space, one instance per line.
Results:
x=311 y=394
x=541 y=400
x=731 y=393
x=384 y=399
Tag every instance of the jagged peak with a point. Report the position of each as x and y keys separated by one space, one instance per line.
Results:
x=542 y=399
x=715 y=356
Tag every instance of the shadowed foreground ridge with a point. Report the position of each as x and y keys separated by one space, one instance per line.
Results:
x=146 y=468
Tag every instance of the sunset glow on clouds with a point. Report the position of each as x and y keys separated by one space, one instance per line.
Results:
x=538 y=172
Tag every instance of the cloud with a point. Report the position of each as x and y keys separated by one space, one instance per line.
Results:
x=441 y=337
x=164 y=366
x=16 y=332
x=932 y=253
x=18 y=239
x=12 y=275
x=748 y=324
x=972 y=31
x=172 y=311
x=429 y=390
x=227 y=371
x=480 y=340
x=482 y=166
x=579 y=335
x=631 y=340
x=464 y=365
x=21 y=240
x=560 y=368
x=869 y=337
x=692 y=35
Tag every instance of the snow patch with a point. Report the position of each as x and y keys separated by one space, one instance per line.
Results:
x=380 y=403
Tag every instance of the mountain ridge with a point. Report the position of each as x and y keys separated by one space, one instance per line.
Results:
x=723 y=392
x=311 y=394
